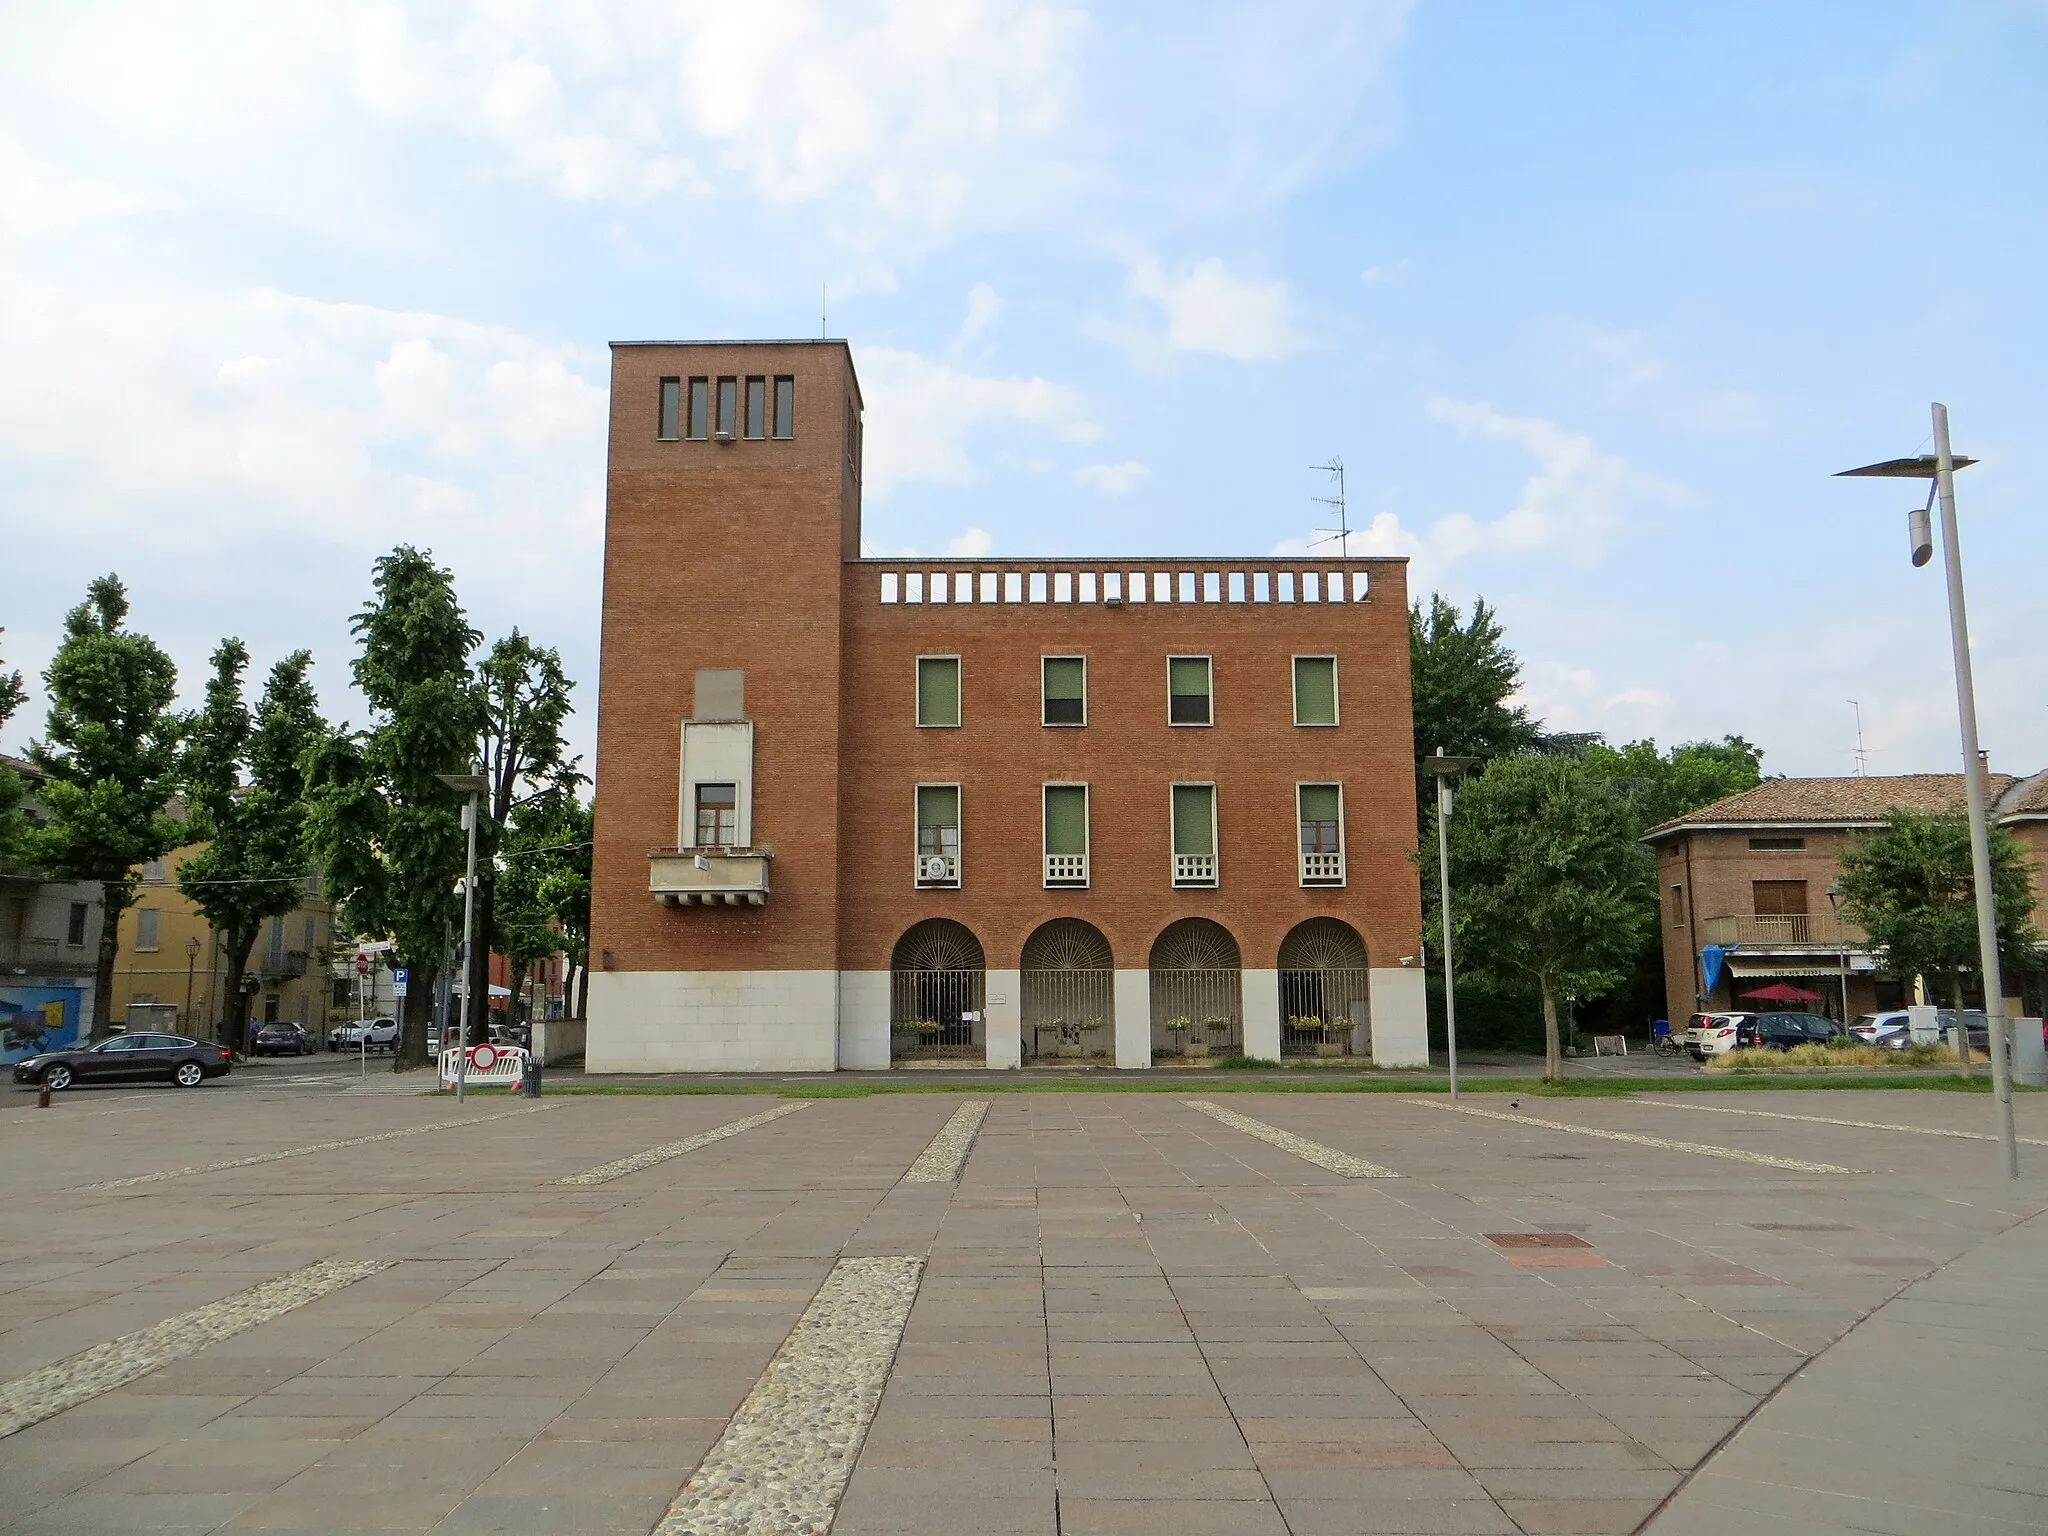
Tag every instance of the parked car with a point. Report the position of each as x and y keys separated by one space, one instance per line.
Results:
x=1892 y=1029
x=373 y=1034
x=281 y=1037
x=1782 y=1031
x=1881 y=1028
x=1713 y=1033
x=128 y=1058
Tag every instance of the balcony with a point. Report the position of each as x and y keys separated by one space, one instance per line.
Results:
x=1066 y=869
x=1194 y=869
x=709 y=877
x=938 y=871
x=1322 y=868
x=283 y=964
x=1798 y=932
x=32 y=954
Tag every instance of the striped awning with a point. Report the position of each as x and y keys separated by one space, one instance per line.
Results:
x=1745 y=968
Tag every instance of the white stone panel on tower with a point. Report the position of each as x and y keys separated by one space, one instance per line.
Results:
x=713 y=1021
x=1400 y=1016
x=1262 y=1014
x=863 y=1021
x=1004 y=1026
x=1134 y=1018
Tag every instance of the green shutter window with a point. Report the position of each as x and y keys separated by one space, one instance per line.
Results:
x=1187 y=690
x=1321 y=805
x=1066 y=818
x=1315 y=690
x=938 y=690
x=938 y=805
x=1066 y=690
x=1194 y=821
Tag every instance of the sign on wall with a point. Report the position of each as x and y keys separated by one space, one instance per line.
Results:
x=34 y=1019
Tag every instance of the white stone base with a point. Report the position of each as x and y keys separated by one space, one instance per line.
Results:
x=1134 y=1018
x=1261 y=991
x=1003 y=1026
x=715 y=1021
x=1400 y=1016
x=863 y=1021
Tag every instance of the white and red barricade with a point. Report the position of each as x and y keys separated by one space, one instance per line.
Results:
x=489 y=1066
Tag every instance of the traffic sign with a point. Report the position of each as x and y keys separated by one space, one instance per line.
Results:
x=398 y=974
x=362 y=965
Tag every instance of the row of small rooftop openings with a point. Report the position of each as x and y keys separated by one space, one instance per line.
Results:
x=1063 y=691
x=1136 y=587
x=712 y=408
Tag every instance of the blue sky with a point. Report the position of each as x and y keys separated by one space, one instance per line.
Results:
x=1591 y=299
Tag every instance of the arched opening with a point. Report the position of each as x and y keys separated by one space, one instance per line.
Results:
x=1068 y=980
x=1323 y=995
x=936 y=987
x=1197 y=991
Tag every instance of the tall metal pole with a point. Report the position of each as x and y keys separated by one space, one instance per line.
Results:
x=468 y=970
x=1974 y=790
x=1443 y=868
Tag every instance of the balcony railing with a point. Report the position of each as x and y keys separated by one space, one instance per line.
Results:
x=939 y=871
x=283 y=964
x=1066 y=869
x=1194 y=869
x=27 y=952
x=1322 y=868
x=709 y=877
x=1815 y=929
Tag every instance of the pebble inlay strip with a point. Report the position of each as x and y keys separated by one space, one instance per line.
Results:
x=1308 y=1151
x=1733 y=1154
x=45 y=1393
x=1861 y=1125
x=604 y=1173
x=781 y=1465
x=318 y=1146
x=943 y=1160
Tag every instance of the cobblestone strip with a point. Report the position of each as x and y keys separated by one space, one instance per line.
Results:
x=318 y=1146
x=1861 y=1125
x=42 y=1394
x=943 y=1161
x=1309 y=1151
x=604 y=1173
x=781 y=1465
x=1733 y=1154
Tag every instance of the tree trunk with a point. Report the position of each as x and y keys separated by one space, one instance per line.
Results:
x=1962 y=1028
x=417 y=1015
x=1553 y=1054
x=113 y=902
x=234 y=1001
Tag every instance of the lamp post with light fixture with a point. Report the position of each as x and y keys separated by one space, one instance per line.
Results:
x=472 y=785
x=191 y=959
x=1445 y=770
x=1835 y=907
x=1940 y=467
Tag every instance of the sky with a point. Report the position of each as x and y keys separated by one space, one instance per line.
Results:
x=1590 y=299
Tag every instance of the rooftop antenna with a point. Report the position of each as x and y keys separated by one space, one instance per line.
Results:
x=821 y=311
x=1341 y=534
x=1862 y=757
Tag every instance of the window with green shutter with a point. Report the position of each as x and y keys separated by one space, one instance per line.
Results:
x=1065 y=690
x=938 y=834
x=1322 y=814
x=1194 y=819
x=1187 y=690
x=1066 y=819
x=938 y=690
x=1315 y=690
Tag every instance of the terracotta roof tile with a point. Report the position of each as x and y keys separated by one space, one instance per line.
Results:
x=1810 y=801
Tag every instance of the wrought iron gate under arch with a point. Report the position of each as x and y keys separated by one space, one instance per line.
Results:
x=1068 y=980
x=1197 y=974
x=937 y=986
x=1324 y=1001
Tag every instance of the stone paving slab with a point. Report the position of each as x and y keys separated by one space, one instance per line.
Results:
x=1131 y=1318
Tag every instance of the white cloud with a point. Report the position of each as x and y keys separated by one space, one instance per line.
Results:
x=971 y=545
x=1379 y=276
x=1208 y=310
x=983 y=307
x=1113 y=479
x=1628 y=370
x=921 y=413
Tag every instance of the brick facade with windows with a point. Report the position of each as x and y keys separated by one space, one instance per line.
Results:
x=1019 y=884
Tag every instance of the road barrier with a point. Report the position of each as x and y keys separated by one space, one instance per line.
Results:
x=500 y=1066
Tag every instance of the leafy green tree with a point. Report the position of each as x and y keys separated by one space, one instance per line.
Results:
x=1911 y=889
x=245 y=786
x=110 y=763
x=1548 y=885
x=1656 y=787
x=1462 y=675
x=13 y=818
x=381 y=822
x=543 y=889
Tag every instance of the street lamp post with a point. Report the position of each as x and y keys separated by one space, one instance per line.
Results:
x=1940 y=467
x=1444 y=770
x=473 y=785
x=191 y=959
x=1835 y=907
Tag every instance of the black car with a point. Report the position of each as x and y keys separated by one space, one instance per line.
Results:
x=282 y=1038
x=128 y=1058
x=1782 y=1031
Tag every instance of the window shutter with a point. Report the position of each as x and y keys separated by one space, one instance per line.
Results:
x=1319 y=802
x=1315 y=690
x=938 y=690
x=1065 y=677
x=1194 y=828
x=1187 y=674
x=1066 y=818
x=938 y=805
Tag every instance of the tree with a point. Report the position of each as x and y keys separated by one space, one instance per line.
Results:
x=1462 y=675
x=381 y=822
x=543 y=886
x=1548 y=884
x=110 y=763
x=523 y=699
x=246 y=788
x=1912 y=891
x=13 y=818
x=1657 y=787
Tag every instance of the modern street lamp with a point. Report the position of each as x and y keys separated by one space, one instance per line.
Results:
x=1835 y=907
x=1940 y=467
x=472 y=785
x=191 y=959
x=1445 y=770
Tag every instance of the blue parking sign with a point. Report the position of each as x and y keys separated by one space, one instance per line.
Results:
x=398 y=981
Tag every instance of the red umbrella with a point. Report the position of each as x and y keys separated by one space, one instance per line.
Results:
x=1783 y=992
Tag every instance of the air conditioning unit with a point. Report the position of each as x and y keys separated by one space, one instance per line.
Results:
x=935 y=868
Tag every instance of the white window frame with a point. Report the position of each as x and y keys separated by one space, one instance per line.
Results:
x=1069 y=725
x=918 y=856
x=1323 y=878
x=1215 y=876
x=1294 y=689
x=1191 y=725
x=1067 y=882
x=959 y=694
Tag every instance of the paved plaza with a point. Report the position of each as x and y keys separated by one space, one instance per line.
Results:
x=278 y=1307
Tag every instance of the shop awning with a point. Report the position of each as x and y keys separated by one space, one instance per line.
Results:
x=1744 y=968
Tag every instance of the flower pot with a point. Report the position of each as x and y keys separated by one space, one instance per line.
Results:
x=1197 y=1048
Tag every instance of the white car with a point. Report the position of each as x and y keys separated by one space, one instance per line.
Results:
x=373 y=1034
x=1713 y=1033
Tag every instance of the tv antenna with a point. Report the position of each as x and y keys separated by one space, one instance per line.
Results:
x=1862 y=757
x=1341 y=534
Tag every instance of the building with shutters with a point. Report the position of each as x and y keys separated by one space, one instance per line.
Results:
x=858 y=812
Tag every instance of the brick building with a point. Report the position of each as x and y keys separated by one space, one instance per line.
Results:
x=1751 y=877
x=852 y=811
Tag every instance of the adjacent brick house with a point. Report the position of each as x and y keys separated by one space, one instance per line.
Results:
x=1750 y=876
x=852 y=810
